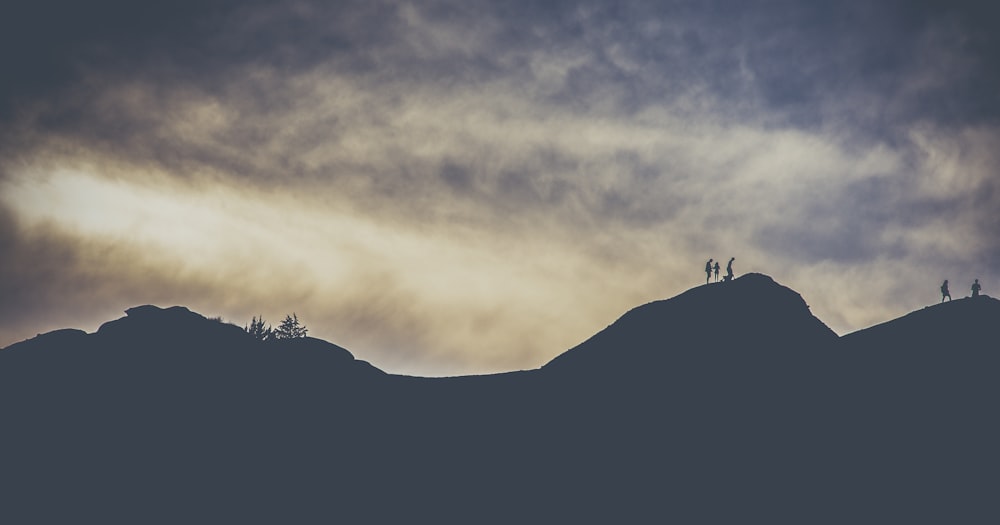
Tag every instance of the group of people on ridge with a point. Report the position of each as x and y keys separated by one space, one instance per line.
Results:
x=709 y=269
x=945 y=293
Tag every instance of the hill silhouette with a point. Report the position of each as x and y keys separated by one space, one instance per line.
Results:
x=916 y=426
x=734 y=324
x=728 y=403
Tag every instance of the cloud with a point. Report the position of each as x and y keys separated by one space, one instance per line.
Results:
x=54 y=279
x=452 y=187
x=398 y=296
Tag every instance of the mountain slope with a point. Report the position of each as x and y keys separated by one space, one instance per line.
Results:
x=161 y=339
x=913 y=404
x=728 y=403
x=938 y=352
x=751 y=316
x=962 y=322
x=165 y=414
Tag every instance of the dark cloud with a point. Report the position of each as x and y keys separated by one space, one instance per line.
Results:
x=719 y=123
x=45 y=44
x=903 y=62
x=873 y=66
x=848 y=225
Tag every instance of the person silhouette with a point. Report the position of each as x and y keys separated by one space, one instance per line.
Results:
x=976 y=288
x=716 y=268
x=708 y=271
x=944 y=291
x=729 y=269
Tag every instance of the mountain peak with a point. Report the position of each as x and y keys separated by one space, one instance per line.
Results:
x=752 y=314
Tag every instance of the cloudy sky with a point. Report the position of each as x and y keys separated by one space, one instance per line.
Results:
x=461 y=186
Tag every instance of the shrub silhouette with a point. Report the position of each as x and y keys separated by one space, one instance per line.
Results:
x=290 y=328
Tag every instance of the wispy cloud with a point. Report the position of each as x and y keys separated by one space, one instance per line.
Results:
x=460 y=187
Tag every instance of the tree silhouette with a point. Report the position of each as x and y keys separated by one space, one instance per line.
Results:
x=258 y=330
x=290 y=328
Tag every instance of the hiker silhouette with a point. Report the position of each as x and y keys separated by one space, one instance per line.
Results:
x=708 y=271
x=944 y=291
x=976 y=288
x=729 y=270
x=716 y=271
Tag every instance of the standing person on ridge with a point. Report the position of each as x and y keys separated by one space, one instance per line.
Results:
x=729 y=269
x=708 y=271
x=944 y=291
x=716 y=271
x=976 y=288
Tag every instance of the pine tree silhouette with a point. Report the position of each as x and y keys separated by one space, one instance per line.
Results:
x=258 y=330
x=290 y=328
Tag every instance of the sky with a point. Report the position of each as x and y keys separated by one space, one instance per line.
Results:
x=464 y=187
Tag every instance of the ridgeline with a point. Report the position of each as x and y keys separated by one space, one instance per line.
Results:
x=730 y=403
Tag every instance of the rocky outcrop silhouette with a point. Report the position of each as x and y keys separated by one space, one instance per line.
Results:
x=728 y=403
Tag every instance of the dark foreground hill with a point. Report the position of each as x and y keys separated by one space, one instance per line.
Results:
x=730 y=403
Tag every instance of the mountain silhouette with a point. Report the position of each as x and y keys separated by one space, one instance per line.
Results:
x=728 y=403
x=916 y=398
x=750 y=319
x=960 y=322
